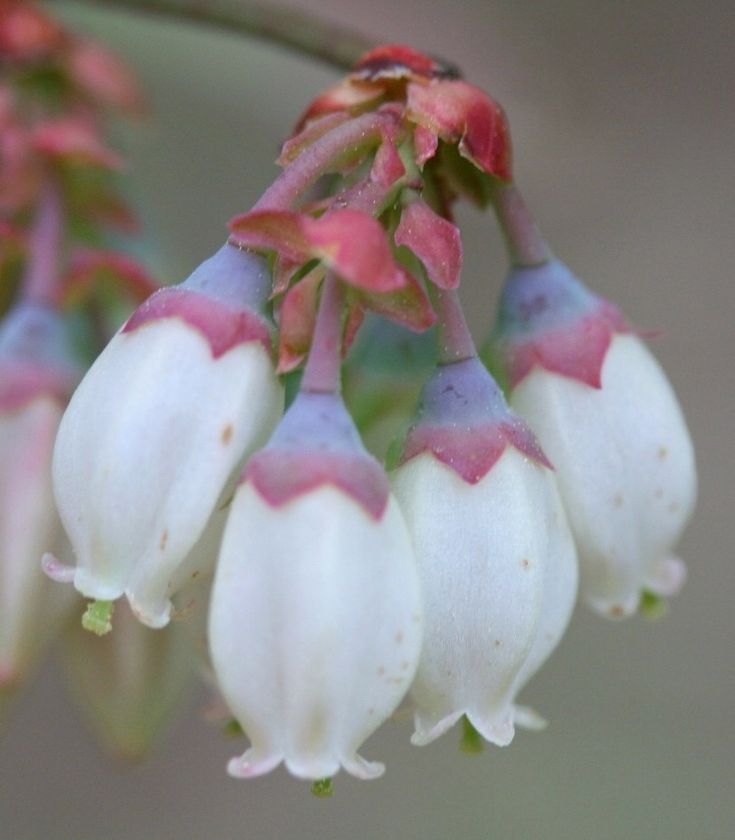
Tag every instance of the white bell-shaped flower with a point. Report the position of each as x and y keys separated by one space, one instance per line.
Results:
x=315 y=618
x=37 y=375
x=608 y=419
x=183 y=392
x=489 y=533
x=626 y=472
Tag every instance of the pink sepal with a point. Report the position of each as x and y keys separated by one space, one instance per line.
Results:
x=435 y=241
x=472 y=451
x=463 y=114
x=575 y=350
x=223 y=327
x=280 y=476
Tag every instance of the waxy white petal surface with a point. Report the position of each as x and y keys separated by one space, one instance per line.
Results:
x=315 y=628
x=482 y=551
x=145 y=449
x=626 y=472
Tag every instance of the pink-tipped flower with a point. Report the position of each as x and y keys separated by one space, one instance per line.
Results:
x=315 y=618
x=37 y=374
x=183 y=392
x=497 y=561
x=609 y=421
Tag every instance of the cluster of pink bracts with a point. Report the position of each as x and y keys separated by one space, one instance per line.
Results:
x=338 y=588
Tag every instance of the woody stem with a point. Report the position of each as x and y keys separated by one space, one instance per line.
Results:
x=296 y=30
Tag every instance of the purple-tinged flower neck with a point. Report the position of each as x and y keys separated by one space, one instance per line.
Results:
x=465 y=422
x=548 y=318
x=315 y=444
x=36 y=356
x=224 y=299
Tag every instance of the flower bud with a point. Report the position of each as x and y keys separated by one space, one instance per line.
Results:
x=315 y=619
x=128 y=684
x=160 y=422
x=608 y=419
x=490 y=536
x=37 y=375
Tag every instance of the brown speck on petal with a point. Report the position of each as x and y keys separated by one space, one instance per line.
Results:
x=663 y=453
x=227 y=433
x=164 y=540
x=399 y=637
x=617 y=501
x=526 y=563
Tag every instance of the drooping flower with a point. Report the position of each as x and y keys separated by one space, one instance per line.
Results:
x=159 y=424
x=129 y=683
x=315 y=618
x=609 y=421
x=490 y=537
x=37 y=374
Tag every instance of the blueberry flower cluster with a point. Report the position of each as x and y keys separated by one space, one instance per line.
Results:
x=210 y=441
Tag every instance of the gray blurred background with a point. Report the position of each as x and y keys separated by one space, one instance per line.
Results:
x=622 y=114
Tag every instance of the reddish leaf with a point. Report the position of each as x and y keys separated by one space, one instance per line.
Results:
x=297 y=320
x=103 y=77
x=435 y=241
x=74 y=140
x=356 y=247
x=425 y=143
x=283 y=273
x=350 y=95
x=282 y=231
x=396 y=61
x=90 y=268
x=26 y=32
x=463 y=114
x=353 y=322
x=350 y=242
x=387 y=165
x=408 y=306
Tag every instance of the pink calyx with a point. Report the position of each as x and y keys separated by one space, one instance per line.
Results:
x=280 y=477
x=465 y=422
x=317 y=444
x=472 y=451
x=222 y=326
x=575 y=350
